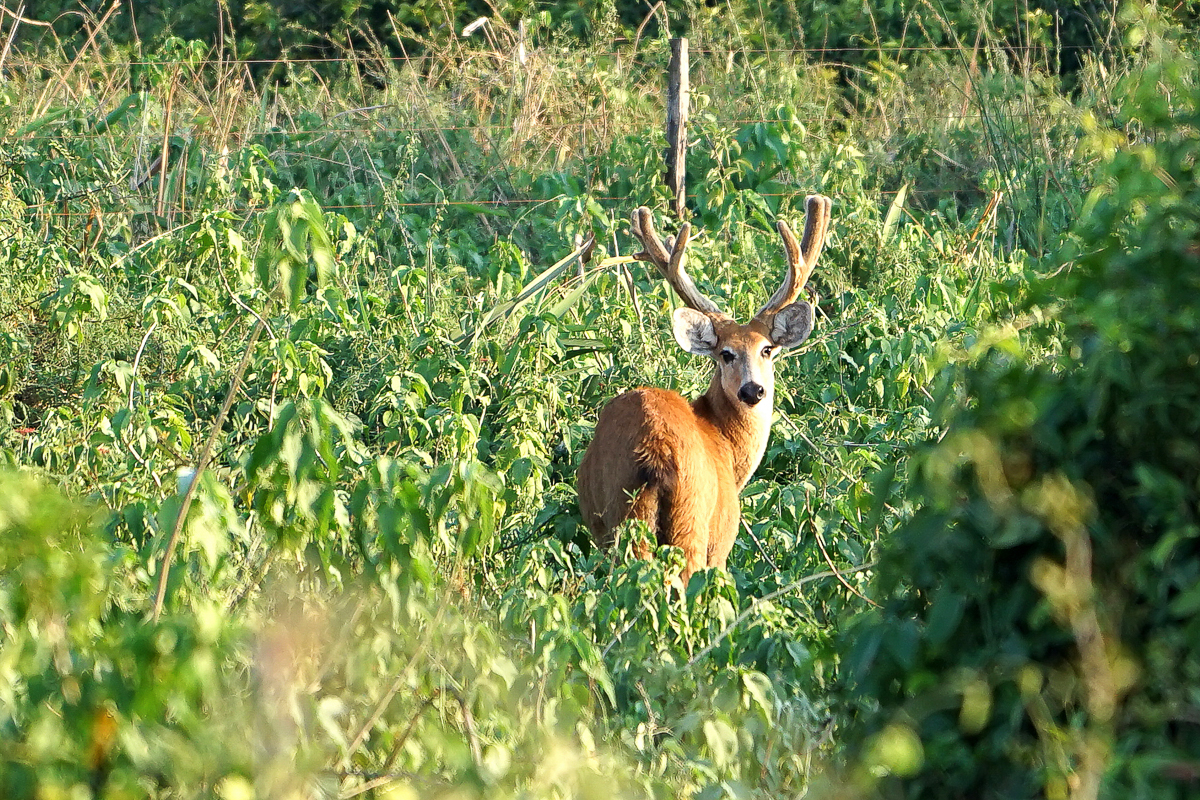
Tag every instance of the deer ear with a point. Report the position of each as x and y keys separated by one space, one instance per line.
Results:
x=694 y=331
x=792 y=324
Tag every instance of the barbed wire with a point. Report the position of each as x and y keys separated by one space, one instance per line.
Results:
x=582 y=124
x=483 y=52
x=576 y=124
x=551 y=130
x=156 y=138
x=40 y=208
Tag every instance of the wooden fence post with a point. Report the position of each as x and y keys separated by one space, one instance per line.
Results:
x=677 y=115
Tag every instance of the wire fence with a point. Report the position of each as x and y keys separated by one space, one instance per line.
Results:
x=890 y=49
x=47 y=209
x=376 y=130
x=158 y=133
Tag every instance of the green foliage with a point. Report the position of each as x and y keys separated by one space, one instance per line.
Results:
x=262 y=30
x=295 y=233
x=94 y=699
x=316 y=364
x=98 y=701
x=1038 y=633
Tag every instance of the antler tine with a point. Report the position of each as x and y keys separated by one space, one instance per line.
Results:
x=670 y=258
x=816 y=225
x=801 y=257
x=642 y=227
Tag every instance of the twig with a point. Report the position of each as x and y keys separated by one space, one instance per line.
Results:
x=43 y=101
x=12 y=33
x=380 y=707
x=132 y=386
x=248 y=586
x=758 y=544
x=201 y=465
x=362 y=110
x=371 y=785
x=625 y=272
x=617 y=638
x=649 y=16
x=384 y=701
x=17 y=17
x=469 y=726
x=412 y=723
x=237 y=301
x=137 y=359
x=832 y=566
x=759 y=601
x=375 y=780
x=164 y=157
x=825 y=335
x=142 y=245
x=517 y=543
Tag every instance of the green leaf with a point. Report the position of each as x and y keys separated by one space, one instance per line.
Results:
x=564 y=305
x=893 y=215
x=117 y=114
x=944 y=615
x=761 y=691
x=721 y=740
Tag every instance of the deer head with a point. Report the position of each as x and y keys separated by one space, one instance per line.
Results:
x=743 y=354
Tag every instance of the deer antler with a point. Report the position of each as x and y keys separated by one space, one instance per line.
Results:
x=669 y=257
x=802 y=257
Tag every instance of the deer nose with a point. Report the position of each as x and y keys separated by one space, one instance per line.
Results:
x=751 y=393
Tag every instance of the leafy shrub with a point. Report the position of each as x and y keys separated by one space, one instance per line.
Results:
x=1039 y=634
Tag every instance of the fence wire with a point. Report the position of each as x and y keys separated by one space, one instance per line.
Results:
x=152 y=141
x=614 y=54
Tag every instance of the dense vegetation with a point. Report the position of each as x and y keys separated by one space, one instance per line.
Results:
x=846 y=33
x=295 y=375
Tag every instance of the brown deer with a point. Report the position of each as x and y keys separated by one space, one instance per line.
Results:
x=678 y=466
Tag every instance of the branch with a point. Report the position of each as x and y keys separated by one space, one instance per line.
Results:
x=412 y=723
x=759 y=601
x=201 y=465
x=834 y=569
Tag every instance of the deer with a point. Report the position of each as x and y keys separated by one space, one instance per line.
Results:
x=680 y=467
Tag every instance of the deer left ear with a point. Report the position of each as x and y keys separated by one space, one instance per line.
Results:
x=792 y=324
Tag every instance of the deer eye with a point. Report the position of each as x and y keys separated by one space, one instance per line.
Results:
x=767 y=351
x=727 y=356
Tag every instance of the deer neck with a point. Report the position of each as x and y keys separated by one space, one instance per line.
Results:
x=745 y=428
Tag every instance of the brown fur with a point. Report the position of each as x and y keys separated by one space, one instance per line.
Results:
x=678 y=466
x=680 y=481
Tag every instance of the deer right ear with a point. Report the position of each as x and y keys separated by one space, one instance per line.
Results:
x=695 y=332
